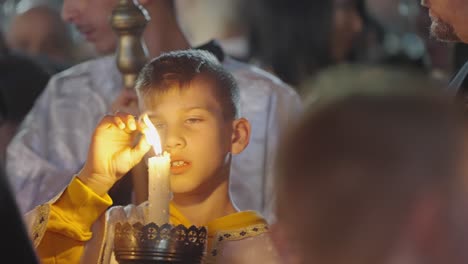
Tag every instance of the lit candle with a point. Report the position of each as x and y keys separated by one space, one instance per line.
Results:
x=159 y=193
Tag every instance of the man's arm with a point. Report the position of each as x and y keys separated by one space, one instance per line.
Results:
x=51 y=143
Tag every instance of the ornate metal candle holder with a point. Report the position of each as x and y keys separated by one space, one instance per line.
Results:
x=129 y=20
x=144 y=244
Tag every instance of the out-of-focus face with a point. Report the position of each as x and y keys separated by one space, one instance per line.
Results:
x=195 y=132
x=92 y=19
x=21 y=37
x=449 y=19
x=347 y=25
x=34 y=33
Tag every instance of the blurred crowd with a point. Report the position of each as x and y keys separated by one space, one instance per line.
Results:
x=259 y=31
x=333 y=59
x=293 y=40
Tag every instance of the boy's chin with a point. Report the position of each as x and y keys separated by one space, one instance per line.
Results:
x=183 y=185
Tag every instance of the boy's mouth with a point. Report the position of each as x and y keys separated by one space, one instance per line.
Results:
x=179 y=166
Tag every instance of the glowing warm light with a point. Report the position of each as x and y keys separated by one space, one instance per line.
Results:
x=159 y=193
x=152 y=135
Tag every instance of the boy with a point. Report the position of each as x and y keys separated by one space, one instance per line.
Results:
x=80 y=96
x=194 y=104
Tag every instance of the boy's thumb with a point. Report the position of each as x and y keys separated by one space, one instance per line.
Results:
x=139 y=151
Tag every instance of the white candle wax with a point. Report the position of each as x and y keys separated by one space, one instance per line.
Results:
x=159 y=193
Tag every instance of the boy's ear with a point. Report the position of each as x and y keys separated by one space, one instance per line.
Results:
x=240 y=135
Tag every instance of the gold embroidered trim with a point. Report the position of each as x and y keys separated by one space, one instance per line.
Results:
x=40 y=223
x=238 y=234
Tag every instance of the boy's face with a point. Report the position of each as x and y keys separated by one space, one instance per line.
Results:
x=194 y=131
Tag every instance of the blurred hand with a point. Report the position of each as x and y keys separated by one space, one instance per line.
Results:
x=127 y=102
x=117 y=145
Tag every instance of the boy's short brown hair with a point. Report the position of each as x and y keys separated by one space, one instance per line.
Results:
x=180 y=68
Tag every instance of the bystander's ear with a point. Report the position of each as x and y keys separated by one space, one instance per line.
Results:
x=240 y=135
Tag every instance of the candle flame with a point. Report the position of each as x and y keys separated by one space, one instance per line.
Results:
x=152 y=135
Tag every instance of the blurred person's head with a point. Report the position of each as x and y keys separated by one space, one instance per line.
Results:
x=203 y=20
x=41 y=32
x=449 y=19
x=346 y=25
x=21 y=82
x=296 y=38
x=93 y=20
x=375 y=176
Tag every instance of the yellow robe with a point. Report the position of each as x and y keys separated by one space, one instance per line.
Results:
x=62 y=228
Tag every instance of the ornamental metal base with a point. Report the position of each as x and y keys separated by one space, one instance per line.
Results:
x=145 y=244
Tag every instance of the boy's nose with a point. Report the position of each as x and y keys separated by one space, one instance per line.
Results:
x=172 y=138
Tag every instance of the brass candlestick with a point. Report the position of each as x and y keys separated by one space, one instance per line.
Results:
x=145 y=244
x=128 y=20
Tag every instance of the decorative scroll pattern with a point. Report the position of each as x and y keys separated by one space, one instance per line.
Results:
x=40 y=223
x=231 y=235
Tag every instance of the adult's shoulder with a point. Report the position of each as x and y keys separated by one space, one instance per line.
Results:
x=253 y=74
x=86 y=67
x=95 y=74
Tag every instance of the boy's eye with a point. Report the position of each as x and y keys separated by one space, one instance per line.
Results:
x=193 y=120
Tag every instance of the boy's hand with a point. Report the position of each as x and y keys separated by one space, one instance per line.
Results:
x=112 y=152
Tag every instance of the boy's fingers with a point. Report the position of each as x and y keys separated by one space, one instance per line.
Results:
x=141 y=124
x=140 y=149
x=119 y=122
x=129 y=123
x=143 y=129
x=108 y=121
